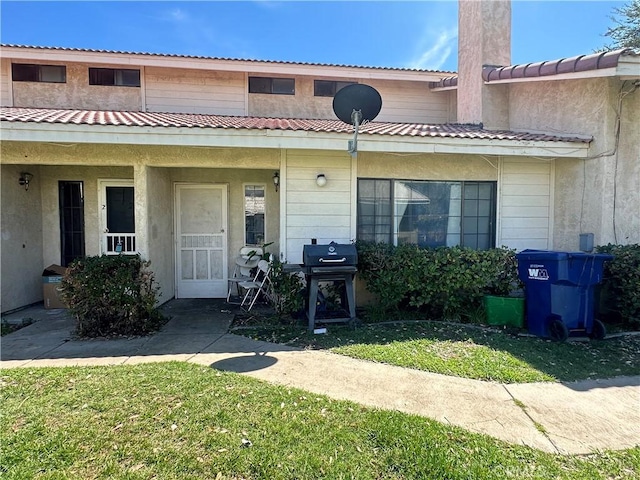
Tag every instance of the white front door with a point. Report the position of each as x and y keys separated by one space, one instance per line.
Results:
x=201 y=236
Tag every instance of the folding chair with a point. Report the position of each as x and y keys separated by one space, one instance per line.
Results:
x=260 y=285
x=245 y=262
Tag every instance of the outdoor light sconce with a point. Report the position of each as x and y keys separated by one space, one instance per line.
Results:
x=276 y=180
x=321 y=180
x=25 y=178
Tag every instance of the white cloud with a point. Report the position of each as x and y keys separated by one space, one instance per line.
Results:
x=438 y=54
x=176 y=15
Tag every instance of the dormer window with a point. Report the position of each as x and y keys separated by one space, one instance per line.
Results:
x=119 y=77
x=328 y=88
x=26 y=72
x=278 y=86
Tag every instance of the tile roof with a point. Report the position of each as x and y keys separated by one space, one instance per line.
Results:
x=445 y=82
x=580 y=63
x=200 y=57
x=185 y=120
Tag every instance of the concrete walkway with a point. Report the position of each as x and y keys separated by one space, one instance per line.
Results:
x=567 y=418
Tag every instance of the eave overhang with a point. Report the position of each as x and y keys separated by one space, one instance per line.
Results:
x=58 y=133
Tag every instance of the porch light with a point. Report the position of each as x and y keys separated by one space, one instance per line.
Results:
x=321 y=180
x=25 y=178
x=276 y=180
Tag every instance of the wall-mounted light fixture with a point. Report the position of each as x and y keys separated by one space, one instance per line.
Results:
x=321 y=180
x=276 y=180
x=25 y=178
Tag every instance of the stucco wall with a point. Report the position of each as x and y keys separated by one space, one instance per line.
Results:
x=626 y=172
x=156 y=169
x=159 y=225
x=484 y=39
x=588 y=192
x=75 y=93
x=21 y=234
x=127 y=155
x=51 y=175
x=426 y=167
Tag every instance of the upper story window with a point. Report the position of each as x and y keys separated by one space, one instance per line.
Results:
x=120 y=77
x=328 y=88
x=427 y=213
x=279 y=86
x=25 y=72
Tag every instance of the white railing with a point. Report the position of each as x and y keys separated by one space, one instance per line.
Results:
x=120 y=243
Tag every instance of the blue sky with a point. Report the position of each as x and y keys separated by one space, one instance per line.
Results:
x=412 y=34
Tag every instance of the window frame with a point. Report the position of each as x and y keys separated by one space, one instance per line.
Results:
x=244 y=214
x=336 y=86
x=270 y=86
x=97 y=75
x=36 y=72
x=392 y=218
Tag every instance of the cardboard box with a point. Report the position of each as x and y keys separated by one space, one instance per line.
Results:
x=51 y=279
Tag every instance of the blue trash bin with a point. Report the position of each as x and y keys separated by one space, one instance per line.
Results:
x=559 y=292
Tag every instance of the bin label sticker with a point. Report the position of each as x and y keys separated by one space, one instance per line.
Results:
x=538 y=272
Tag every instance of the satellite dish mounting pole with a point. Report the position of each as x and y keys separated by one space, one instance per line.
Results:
x=356 y=104
x=356 y=118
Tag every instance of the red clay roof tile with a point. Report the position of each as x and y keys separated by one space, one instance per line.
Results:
x=580 y=63
x=186 y=120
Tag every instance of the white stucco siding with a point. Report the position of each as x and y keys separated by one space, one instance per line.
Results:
x=525 y=204
x=195 y=91
x=577 y=106
x=324 y=213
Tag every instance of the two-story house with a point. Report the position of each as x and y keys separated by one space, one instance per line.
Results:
x=186 y=159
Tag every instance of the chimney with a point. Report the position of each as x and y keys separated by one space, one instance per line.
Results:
x=484 y=38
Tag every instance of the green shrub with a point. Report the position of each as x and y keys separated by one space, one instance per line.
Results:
x=286 y=289
x=111 y=296
x=445 y=282
x=621 y=284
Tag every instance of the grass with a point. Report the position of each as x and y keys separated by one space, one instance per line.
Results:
x=468 y=351
x=184 y=421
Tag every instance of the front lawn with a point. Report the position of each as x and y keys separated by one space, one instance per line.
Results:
x=469 y=351
x=184 y=421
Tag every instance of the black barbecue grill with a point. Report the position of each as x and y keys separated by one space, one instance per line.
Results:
x=335 y=262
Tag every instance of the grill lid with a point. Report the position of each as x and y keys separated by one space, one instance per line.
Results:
x=331 y=255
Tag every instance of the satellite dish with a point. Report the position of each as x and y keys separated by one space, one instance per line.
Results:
x=356 y=97
x=356 y=104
